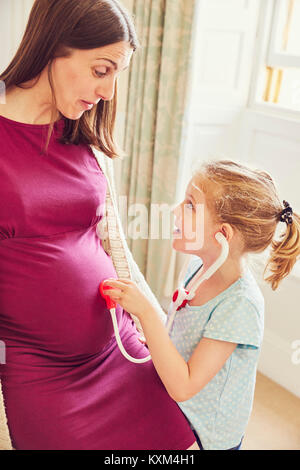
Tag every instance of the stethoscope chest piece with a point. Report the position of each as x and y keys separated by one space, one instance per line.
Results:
x=111 y=305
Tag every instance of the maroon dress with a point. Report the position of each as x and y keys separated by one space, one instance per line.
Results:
x=65 y=383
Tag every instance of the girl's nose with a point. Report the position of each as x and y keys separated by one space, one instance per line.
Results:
x=177 y=215
x=176 y=209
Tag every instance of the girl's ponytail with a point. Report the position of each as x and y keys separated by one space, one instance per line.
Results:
x=285 y=252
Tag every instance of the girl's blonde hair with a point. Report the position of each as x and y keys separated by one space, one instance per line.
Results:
x=247 y=199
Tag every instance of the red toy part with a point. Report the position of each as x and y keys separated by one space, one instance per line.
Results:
x=109 y=302
x=175 y=295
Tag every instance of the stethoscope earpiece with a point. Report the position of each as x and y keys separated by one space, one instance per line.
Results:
x=219 y=236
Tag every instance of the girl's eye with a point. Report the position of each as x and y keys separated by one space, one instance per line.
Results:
x=190 y=205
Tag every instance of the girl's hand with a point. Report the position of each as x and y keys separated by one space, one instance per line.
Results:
x=127 y=294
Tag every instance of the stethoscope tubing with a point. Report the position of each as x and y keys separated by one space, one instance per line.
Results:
x=120 y=344
x=181 y=295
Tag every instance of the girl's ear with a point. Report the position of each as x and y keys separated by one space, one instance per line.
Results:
x=227 y=231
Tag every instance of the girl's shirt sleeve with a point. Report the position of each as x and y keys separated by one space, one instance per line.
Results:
x=237 y=320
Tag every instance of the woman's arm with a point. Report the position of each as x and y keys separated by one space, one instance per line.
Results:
x=181 y=379
x=5 y=441
x=114 y=241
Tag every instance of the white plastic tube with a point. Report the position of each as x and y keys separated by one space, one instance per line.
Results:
x=119 y=342
x=182 y=295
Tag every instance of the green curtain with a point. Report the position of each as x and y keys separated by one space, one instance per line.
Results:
x=153 y=125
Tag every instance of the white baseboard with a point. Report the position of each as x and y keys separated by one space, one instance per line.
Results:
x=276 y=362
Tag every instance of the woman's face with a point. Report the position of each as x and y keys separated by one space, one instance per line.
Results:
x=88 y=75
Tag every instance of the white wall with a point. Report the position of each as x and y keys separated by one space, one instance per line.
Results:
x=273 y=143
x=223 y=56
x=13 y=17
x=221 y=122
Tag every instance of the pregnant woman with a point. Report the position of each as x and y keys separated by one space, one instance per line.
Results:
x=65 y=383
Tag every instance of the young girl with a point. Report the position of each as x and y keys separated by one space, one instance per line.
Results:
x=208 y=364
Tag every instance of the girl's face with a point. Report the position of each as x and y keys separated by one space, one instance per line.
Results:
x=195 y=224
x=88 y=75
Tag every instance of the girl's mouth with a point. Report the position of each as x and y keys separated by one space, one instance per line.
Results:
x=176 y=231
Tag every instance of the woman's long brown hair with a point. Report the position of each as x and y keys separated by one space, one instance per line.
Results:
x=54 y=28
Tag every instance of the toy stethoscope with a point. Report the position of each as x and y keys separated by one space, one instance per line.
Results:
x=180 y=297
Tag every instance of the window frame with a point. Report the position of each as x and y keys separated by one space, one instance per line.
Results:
x=274 y=58
x=265 y=55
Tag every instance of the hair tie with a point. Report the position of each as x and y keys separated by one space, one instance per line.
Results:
x=286 y=214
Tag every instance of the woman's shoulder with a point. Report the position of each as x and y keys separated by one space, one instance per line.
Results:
x=11 y=108
x=4 y=115
x=9 y=117
x=8 y=108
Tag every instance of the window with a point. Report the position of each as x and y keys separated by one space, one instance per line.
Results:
x=281 y=71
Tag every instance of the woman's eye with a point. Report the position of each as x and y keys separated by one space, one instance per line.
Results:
x=101 y=73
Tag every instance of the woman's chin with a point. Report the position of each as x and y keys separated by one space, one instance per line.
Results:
x=73 y=112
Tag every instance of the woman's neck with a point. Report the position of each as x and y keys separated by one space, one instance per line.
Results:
x=30 y=105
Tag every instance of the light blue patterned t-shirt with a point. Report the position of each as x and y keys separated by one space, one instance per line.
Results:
x=219 y=413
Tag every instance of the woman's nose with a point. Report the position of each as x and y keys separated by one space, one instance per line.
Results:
x=107 y=89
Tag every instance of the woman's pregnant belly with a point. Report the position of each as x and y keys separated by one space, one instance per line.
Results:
x=65 y=383
x=49 y=294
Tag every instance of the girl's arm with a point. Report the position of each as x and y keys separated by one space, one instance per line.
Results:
x=181 y=379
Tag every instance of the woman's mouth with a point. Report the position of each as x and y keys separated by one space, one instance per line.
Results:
x=86 y=104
